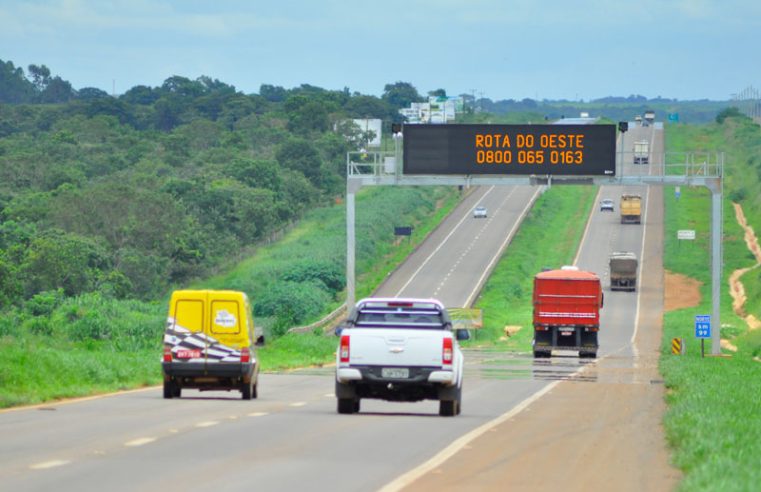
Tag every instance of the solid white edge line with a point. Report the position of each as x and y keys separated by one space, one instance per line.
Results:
x=441 y=244
x=449 y=451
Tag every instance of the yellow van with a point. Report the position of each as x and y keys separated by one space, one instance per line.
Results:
x=209 y=343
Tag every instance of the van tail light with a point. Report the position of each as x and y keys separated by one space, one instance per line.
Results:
x=167 y=354
x=344 y=348
x=446 y=353
x=245 y=355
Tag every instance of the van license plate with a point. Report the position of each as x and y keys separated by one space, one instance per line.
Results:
x=395 y=372
x=188 y=354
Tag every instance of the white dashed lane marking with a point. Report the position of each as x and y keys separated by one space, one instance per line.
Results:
x=210 y=423
x=48 y=464
x=139 y=441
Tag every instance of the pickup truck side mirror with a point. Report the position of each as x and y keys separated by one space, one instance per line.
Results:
x=339 y=329
x=462 y=334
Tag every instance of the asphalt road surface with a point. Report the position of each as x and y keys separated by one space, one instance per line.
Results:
x=558 y=423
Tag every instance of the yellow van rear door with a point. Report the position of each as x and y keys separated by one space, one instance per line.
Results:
x=227 y=326
x=187 y=327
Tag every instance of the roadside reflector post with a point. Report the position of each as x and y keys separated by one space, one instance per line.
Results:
x=677 y=347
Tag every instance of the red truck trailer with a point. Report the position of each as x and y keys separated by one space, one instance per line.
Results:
x=567 y=305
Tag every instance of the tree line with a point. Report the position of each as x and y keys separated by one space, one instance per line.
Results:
x=130 y=195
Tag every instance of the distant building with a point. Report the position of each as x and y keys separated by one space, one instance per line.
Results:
x=437 y=110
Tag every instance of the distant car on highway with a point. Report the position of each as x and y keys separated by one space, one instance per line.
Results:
x=606 y=204
x=480 y=212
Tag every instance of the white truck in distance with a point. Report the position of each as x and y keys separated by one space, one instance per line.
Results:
x=641 y=152
x=399 y=349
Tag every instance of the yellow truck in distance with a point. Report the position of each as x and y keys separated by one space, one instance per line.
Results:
x=631 y=209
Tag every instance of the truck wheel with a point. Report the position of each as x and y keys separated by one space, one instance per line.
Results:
x=246 y=391
x=177 y=390
x=346 y=405
x=541 y=355
x=587 y=355
x=356 y=405
x=447 y=408
x=254 y=393
x=169 y=390
x=459 y=401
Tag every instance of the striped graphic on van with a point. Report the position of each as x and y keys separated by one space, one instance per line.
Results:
x=181 y=340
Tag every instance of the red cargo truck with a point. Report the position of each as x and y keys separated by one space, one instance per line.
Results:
x=567 y=305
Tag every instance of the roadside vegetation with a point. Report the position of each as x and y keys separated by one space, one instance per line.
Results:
x=712 y=420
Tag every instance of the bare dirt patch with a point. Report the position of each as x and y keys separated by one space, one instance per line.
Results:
x=681 y=291
x=736 y=288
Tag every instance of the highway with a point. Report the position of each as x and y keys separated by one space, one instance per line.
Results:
x=291 y=437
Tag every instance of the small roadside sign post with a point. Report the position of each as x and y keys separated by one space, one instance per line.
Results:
x=685 y=234
x=403 y=231
x=702 y=330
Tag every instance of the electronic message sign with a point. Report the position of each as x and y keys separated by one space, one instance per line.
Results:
x=577 y=150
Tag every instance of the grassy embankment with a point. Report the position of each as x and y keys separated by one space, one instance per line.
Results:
x=549 y=237
x=66 y=347
x=712 y=422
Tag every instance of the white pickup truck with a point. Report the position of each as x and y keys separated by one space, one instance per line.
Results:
x=399 y=349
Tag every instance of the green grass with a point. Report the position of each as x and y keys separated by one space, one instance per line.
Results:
x=712 y=422
x=35 y=371
x=298 y=350
x=549 y=237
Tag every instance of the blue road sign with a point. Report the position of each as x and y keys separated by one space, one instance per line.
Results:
x=703 y=326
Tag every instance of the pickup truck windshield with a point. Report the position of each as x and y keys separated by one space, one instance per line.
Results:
x=400 y=319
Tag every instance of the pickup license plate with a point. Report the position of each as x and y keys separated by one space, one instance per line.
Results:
x=566 y=333
x=395 y=372
x=188 y=354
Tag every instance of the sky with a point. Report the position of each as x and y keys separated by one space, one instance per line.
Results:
x=509 y=49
